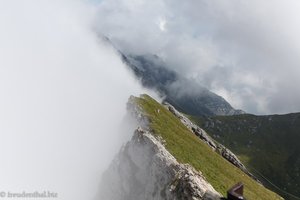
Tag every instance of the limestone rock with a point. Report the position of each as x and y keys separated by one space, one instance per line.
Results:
x=192 y=127
x=223 y=151
x=144 y=169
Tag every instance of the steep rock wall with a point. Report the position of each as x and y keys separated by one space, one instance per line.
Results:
x=145 y=170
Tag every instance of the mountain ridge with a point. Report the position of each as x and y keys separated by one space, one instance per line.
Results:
x=186 y=148
x=182 y=93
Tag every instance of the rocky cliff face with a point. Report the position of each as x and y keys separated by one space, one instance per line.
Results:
x=144 y=169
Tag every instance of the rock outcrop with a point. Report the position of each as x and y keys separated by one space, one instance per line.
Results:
x=226 y=153
x=144 y=169
x=192 y=127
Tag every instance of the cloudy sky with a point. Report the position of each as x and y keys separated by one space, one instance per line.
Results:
x=64 y=90
x=246 y=51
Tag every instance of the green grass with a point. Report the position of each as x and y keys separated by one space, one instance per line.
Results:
x=187 y=148
x=268 y=146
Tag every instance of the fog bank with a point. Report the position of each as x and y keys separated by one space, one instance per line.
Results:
x=63 y=98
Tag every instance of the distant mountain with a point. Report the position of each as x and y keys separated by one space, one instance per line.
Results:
x=184 y=94
x=267 y=145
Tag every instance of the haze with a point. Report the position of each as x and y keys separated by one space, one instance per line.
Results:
x=63 y=98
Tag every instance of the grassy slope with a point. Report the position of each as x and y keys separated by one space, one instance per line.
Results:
x=187 y=148
x=266 y=144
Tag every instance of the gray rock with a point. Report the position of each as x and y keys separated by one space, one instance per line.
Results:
x=192 y=127
x=144 y=169
x=223 y=151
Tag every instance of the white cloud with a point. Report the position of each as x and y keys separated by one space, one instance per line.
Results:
x=162 y=24
x=257 y=39
x=63 y=98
